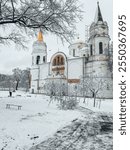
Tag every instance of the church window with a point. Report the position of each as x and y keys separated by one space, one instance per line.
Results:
x=44 y=59
x=38 y=60
x=91 y=50
x=62 y=61
x=57 y=63
x=73 y=52
x=100 y=48
x=54 y=62
x=58 y=60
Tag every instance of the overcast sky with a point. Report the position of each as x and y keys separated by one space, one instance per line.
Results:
x=10 y=57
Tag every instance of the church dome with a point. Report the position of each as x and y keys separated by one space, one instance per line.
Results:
x=39 y=46
x=78 y=41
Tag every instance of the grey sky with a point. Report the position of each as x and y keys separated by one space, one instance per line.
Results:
x=11 y=58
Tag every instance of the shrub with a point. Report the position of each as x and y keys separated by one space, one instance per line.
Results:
x=68 y=103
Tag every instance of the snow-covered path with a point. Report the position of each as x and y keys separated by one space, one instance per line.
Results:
x=93 y=132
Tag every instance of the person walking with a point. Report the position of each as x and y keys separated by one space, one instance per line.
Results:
x=10 y=93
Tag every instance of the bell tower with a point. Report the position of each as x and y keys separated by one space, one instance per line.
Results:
x=39 y=59
x=39 y=53
x=99 y=35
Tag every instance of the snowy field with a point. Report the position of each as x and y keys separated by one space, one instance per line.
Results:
x=102 y=105
x=36 y=121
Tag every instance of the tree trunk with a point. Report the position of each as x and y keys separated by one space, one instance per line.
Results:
x=94 y=103
x=84 y=99
x=17 y=85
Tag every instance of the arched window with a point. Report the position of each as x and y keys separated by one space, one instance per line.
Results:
x=44 y=59
x=100 y=48
x=38 y=60
x=62 y=61
x=91 y=50
x=54 y=62
x=58 y=60
x=58 y=65
x=73 y=52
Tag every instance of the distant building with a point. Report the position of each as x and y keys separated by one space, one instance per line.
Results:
x=92 y=58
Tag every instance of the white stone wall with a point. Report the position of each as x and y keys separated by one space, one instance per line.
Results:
x=95 y=44
x=34 y=86
x=34 y=72
x=99 y=68
x=101 y=28
x=75 y=68
x=44 y=71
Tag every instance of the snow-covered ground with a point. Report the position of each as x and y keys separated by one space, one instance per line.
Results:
x=101 y=105
x=36 y=121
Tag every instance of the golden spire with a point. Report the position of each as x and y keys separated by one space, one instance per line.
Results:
x=40 y=36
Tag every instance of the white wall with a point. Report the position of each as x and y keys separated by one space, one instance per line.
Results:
x=75 y=68
x=44 y=70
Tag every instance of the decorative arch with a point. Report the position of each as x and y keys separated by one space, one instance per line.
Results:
x=58 y=60
x=58 y=63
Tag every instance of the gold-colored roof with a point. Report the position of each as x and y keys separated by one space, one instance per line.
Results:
x=40 y=36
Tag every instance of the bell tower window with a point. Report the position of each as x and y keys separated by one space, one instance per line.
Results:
x=91 y=50
x=100 y=48
x=73 y=52
x=38 y=60
x=44 y=59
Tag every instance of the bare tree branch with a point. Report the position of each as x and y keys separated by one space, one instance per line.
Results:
x=55 y=16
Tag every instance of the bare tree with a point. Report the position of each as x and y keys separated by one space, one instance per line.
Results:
x=17 y=73
x=57 y=90
x=93 y=86
x=54 y=16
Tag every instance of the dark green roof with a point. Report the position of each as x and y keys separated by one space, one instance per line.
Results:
x=99 y=13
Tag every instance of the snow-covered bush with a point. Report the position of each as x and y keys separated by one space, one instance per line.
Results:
x=68 y=102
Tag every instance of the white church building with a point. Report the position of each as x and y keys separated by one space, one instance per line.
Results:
x=90 y=59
